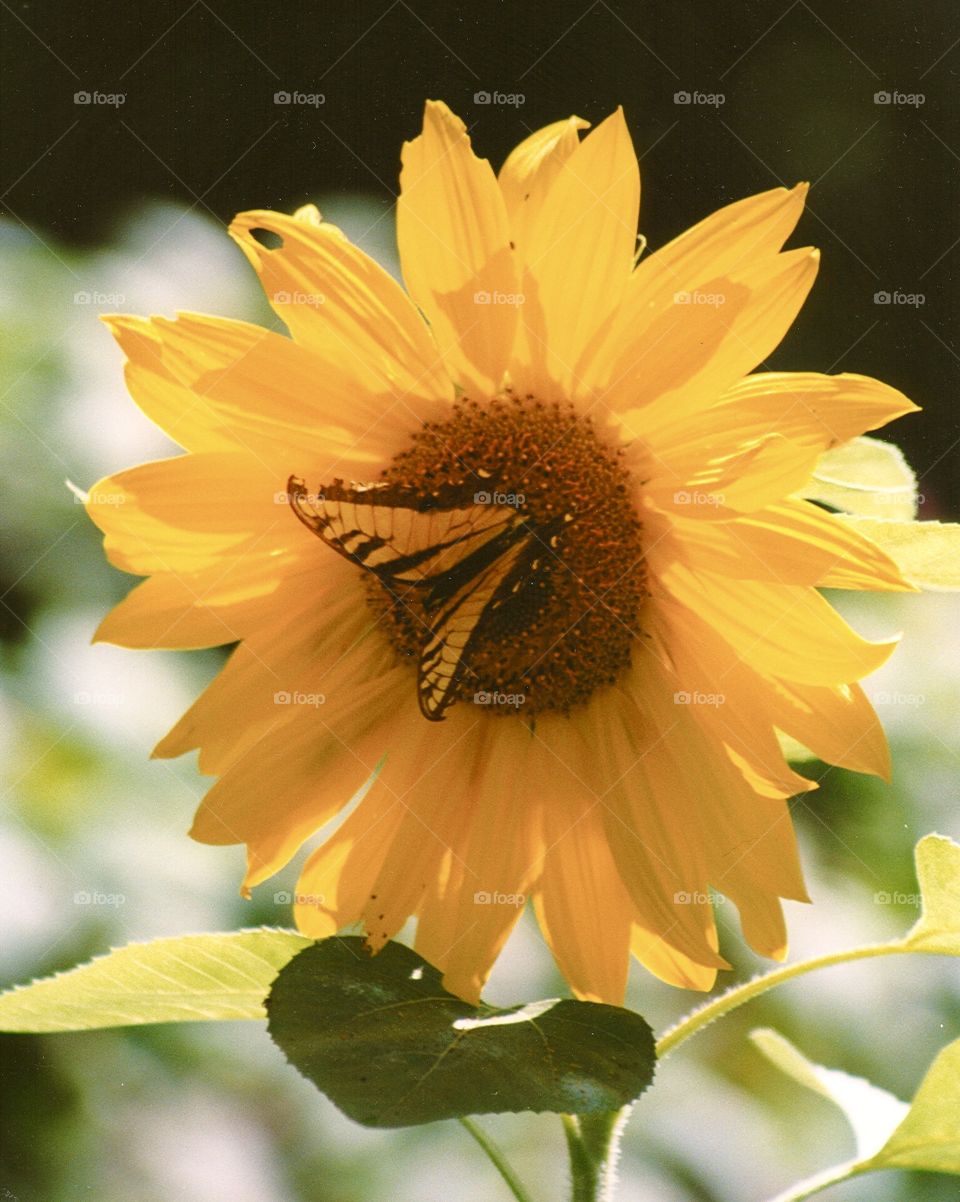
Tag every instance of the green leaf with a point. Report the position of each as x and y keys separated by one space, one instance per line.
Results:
x=184 y=979
x=927 y=553
x=938 y=872
x=890 y=1134
x=929 y=1137
x=383 y=1039
x=871 y=1112
x=865 y=476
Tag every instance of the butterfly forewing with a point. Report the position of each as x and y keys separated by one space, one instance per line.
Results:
x=454 y=561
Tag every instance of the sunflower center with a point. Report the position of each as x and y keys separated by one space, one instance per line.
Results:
x=566 y=626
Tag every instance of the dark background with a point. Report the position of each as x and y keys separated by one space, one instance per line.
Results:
x=199 y=125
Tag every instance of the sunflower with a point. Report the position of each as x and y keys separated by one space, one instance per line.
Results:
x=553 y=590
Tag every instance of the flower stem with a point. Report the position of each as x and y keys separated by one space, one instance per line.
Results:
x=498 y=1159
x=744 y=993
x=594 y=1144
x=813 y=1185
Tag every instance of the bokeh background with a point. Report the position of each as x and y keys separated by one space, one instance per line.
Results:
x=120 y=205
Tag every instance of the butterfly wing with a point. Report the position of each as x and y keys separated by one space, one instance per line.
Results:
x=391 y=533
x=456 y=613
x=459 y=562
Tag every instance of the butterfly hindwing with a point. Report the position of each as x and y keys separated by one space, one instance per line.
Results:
x=454 y=562
x=454 y=625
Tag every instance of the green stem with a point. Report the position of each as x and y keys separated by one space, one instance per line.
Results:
x=744 y=993
x=498 y=1159
x=813 y=1185
x=594 y=1144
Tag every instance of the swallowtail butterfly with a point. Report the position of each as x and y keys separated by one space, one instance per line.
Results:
x=451 y=563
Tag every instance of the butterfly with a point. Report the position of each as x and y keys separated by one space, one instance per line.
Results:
x=452 y=561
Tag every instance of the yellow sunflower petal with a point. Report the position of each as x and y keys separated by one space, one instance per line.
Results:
x=455 y=251
x=502 y=856
x=584 y=911
x=724 y=243
x=530 y=169
x=737 y=830
x=806 y=406
x=692 y=351
x=838 y=725
x=204 y=609
x=792 y=542
x=337 y=879
x=781 y=630
x=317 y=642
x=580 y=249
x=340 y=304
x=667 y=964
x=309 y=765
x=183 y=514
x=212 y=384
x=648 y=820
x=748 y=479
